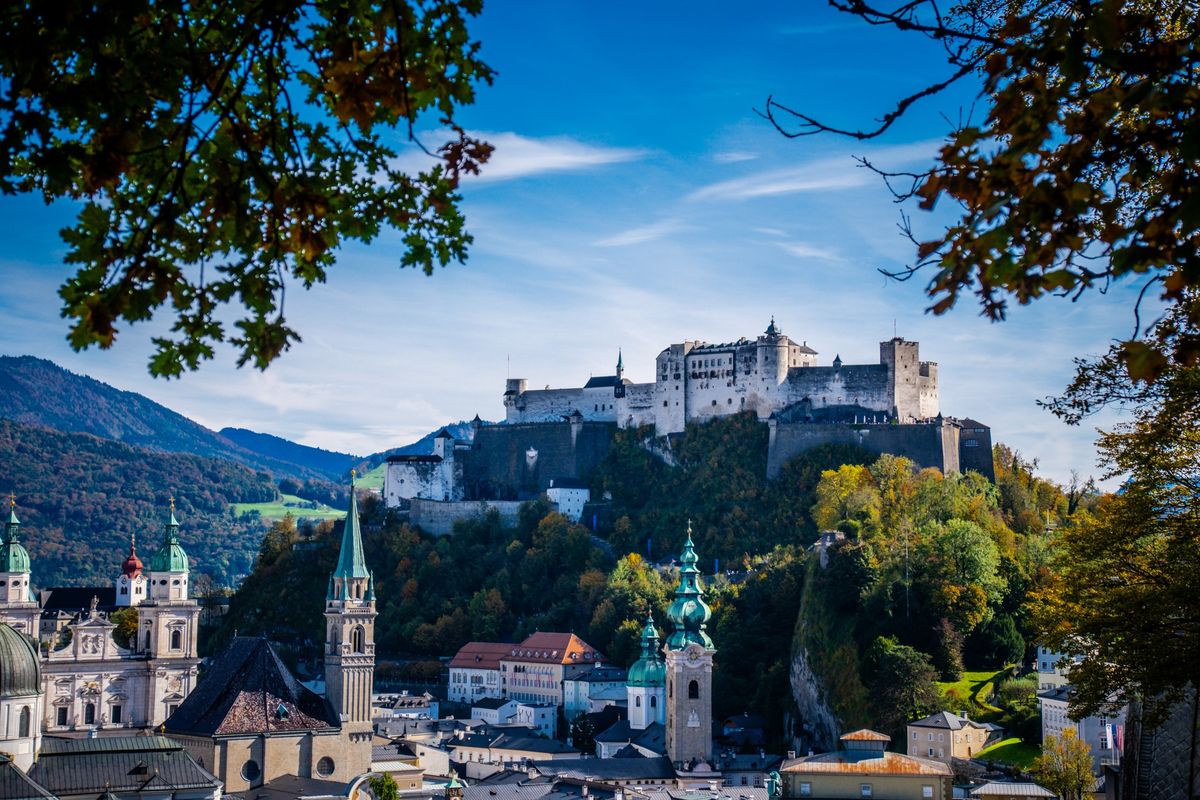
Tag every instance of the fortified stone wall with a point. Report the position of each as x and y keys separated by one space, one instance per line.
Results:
x=512 y=462
x=928 y=445
x=636 y=408
x=438 y=517
x=864 y=385
x=430 y=477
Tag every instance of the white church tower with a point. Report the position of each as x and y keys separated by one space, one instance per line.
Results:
x=350 y=632
x=17 y=604
x=132 y=587
x=645 y=689
x=689 y=667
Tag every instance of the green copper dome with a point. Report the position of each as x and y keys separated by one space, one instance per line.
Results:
x=689 y=614
x=170 y=557
x=13 y=557
x=650 y=669
x=20 y=675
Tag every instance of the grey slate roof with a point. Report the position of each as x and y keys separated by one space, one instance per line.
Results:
x=250 y=690
x=946 y=721
x=996 y=789
x=615 y=769
x=16 y=785
x=508 y=791
x=653 y=738
x=291 y=787
x=1061 y=693
x=77 y=598
x=122 y=764
x=491 y=703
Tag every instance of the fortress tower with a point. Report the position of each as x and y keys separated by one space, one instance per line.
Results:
x=350 y=633
x=689 y=665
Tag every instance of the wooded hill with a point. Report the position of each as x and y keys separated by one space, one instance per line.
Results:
x=34 y=391
x=81 y=497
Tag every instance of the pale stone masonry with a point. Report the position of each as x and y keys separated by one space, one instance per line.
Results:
x=696 y=381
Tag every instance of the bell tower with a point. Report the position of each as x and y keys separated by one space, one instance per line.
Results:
x=645 y=689
x=689 y=665
x=350 y=631
x=17 y=606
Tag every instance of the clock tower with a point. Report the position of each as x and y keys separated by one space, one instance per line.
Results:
x=689 y=664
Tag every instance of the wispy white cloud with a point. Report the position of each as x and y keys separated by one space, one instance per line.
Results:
x=825 y=174
x=642 y=233
x=733 y=156
x=518 y=156
x=805 y=250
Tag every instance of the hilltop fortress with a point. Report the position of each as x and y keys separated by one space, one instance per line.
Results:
x=771 y=376
x=552 y=438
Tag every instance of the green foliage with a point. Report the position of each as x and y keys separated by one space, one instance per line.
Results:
x=383 y=787
x=81 y=498
x=1081 y=171
x=221 y=152
x=1065 y=766
x=719 y=483
x=434 y=594
x=583 y=735
x=1013 y=750
x=997 y=641
x=902 y=685
x=126 y=620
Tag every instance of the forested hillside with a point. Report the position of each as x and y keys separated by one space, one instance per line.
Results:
x=34 y=391
x=80 y=498
x=331 y=464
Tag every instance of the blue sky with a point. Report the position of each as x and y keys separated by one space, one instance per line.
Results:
x=635 y=199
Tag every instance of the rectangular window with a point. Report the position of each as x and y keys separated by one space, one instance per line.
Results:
x=865 y=790
x=914 y=734
x=116 y=715
x=61 y=718
x=806 y=790
x=927 y=791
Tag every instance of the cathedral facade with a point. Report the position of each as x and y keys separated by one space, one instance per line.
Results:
x=90 y=682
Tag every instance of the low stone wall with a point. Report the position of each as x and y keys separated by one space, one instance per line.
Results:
x=438 y=516
x=927 y=445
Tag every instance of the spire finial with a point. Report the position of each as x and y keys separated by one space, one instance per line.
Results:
x=353 y=475
x=171 y=500
x=12 y=500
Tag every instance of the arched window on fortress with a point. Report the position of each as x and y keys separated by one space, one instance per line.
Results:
x=693 y=690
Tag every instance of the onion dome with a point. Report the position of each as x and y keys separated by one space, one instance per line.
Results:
x=650 y=669
x=773 y=329
x=20 y=674
x=170 y=557
x=689 y=614
x=13 y=556
x=132 y=566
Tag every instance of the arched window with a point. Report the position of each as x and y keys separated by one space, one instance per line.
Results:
x=356 y=639
x=176 y=639
x=147 y=647
x=23 y=724
x=89 y=714
x=637 y=702
x=653 y=701
x=693 y=690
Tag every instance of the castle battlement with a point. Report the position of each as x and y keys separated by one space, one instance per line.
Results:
x=696 y=381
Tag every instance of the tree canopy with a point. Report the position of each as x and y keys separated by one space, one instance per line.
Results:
x=1082 y=171
x=222 y=152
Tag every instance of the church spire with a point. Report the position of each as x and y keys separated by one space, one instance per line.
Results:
x=351 y=563
x=620 y=364
x=689 y=614
x=13 y=556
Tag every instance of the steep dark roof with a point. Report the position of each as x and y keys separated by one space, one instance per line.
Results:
x=249 y=690
x=653 y=737
x=77 y=598
x=120 y=764
x=16 y=785
x=290 y=787
x=491 y=703
x=605 y=381
x=942 y=719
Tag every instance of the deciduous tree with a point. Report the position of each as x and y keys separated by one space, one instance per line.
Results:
x=1065 y=766
x=220 y=153
x=1081 y=170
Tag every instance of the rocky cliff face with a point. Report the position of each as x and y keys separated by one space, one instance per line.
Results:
x=809 y=693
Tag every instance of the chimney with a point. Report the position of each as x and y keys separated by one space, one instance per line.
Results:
x=791 y=754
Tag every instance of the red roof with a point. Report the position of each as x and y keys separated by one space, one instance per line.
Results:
x=481 y=655
x=554 y=648
x=865 y=735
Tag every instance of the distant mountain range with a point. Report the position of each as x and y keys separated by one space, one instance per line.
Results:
x=92 y=465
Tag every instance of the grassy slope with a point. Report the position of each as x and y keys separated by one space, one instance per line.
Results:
x=974 y=689
x=1011 y=751
x=288 y=504
x=372 y=479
